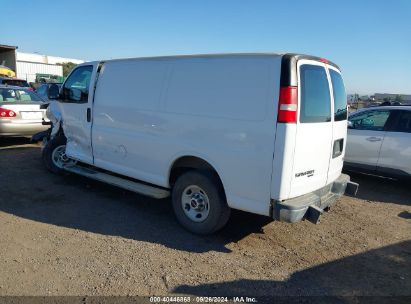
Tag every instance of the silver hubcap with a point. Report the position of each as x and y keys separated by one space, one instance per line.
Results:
x=60 y=158
x=195 y=203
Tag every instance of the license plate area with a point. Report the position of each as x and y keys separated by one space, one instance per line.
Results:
x=32 y=115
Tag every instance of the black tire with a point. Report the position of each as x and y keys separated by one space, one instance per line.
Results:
x=219 y=212
x=53 y=144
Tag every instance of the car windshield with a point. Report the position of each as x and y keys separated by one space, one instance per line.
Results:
x=9 y=95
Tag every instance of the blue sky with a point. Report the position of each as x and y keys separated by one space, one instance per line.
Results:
x=369 y=40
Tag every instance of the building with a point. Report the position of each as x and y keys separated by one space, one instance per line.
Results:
x=392 y=97
x=8 y=56
x=27 y=65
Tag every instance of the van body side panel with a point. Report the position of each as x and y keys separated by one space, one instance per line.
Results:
x=226 y=108
x=283 y=161
x=127 y=126
x=237 y=150
x=220 y=109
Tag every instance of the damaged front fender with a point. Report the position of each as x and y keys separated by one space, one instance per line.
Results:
x=53 y=113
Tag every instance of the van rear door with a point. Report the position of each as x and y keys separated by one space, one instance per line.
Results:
x=339 y=102
x=314 y=135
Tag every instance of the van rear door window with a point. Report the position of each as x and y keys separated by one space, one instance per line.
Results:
x=315 y=99
x=340 y=98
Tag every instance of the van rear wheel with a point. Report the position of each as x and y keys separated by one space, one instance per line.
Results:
x=54 y=155
x=199 y=203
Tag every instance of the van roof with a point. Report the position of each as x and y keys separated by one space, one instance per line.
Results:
x=289 y=61
x=290 y=56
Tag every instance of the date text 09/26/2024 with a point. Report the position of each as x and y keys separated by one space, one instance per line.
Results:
x=188 y=299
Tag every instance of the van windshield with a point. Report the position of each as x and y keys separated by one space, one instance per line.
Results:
x=340 y=97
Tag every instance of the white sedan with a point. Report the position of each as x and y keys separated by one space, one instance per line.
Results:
x=20 y=112
x=379 y=141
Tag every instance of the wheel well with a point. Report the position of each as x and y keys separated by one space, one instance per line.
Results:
x=187 y=163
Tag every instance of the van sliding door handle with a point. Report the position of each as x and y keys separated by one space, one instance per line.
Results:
x=373 y=139
x=88 y=114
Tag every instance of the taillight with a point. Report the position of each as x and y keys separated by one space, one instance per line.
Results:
x=287 y=105
x=6 y=113
x=30 y=89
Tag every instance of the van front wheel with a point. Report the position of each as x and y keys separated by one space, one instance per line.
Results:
x=54 y=155
x=199 y=203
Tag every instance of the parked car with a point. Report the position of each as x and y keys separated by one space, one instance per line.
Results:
x=379 y=141
x=43 y=90
x=15 y=82
x=20 y=113
x=263 y=133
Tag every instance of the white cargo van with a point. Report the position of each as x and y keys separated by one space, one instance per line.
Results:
x=263 y=133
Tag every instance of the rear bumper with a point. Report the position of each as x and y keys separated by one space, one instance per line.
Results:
x=311 y=205
x=21 y=129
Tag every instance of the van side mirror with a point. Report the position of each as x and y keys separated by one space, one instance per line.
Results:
x=350 y=125
x=53 y=92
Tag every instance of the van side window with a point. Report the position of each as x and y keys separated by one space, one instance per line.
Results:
x=315 y=95
x=340 y=98
x=76 y=87
x=373 y=120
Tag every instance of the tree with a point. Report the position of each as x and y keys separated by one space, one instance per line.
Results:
x=67 y=67
x=398 y=98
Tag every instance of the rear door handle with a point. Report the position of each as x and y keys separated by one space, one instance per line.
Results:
x=88 y=114
x=373 y=139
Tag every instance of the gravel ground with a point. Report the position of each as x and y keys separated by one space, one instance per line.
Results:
x=67 y=235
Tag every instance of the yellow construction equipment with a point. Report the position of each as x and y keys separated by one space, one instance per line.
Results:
x=5 y=71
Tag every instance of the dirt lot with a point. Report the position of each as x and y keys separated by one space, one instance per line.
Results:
x=66 y=235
